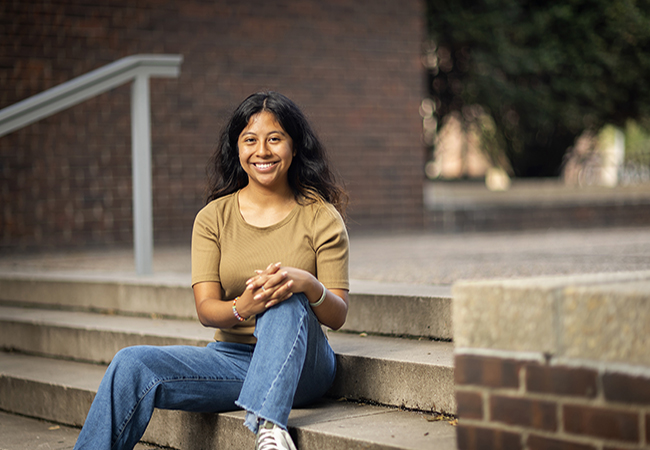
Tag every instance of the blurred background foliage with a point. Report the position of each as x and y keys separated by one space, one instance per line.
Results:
x=533 y=76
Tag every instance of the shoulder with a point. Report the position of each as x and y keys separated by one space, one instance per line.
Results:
x=320 y=213
x=325 y=213
x=215 y=211
x=218 y=205
x=325 y=223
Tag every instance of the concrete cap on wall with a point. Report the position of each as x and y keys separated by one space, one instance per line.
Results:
x=591 y=317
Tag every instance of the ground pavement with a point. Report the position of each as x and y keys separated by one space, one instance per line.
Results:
x=413 y=258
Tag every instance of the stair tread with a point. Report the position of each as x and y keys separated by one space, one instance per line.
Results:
x=379 y=347
x=52 y=371
x=24 y=433
x=181 y=328
x=371 y=287
x=360 y=424
x=423 y=310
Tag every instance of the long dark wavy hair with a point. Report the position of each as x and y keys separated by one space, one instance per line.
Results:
x=310 y=176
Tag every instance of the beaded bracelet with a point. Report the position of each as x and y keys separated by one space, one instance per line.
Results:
x=321 y=299
x=234 y=310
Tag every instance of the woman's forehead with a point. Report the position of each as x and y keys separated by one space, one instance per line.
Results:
x=263 y=121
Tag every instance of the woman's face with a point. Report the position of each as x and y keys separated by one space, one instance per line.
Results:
x=265 y=151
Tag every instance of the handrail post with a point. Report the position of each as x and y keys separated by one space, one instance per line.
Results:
x=141 y=170
x=138 y=68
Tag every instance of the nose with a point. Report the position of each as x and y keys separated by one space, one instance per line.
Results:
x=263 y=149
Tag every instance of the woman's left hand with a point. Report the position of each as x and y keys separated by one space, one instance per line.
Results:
x=275 y=284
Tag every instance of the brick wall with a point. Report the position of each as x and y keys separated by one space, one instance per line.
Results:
x=613 y=213
x=518 y=403
x=354 y=67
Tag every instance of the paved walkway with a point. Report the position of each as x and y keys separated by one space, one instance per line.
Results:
x=415 y=258
x=444 y=259
x=438 y=259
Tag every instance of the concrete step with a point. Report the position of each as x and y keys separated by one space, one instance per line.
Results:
x=396 y=309
x=416 y=374
x=62 y=391
x=25 y=433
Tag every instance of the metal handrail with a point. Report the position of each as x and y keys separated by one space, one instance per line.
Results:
x=136 y=68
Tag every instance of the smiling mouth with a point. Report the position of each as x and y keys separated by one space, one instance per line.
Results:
x=264 y=165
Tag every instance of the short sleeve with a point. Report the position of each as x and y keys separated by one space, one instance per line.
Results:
x=206 y=251
x=331 y=245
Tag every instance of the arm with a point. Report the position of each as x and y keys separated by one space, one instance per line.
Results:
x=211 y=310
x=279 y=284
x=334 y=309
x=214 y=312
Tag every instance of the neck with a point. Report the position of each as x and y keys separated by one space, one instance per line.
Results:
x=267 y=198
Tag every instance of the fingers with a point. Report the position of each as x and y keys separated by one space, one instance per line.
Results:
x=261 y=274
x=280 y=294
x=267 y=277
x=265 y=287
x=272 y=268
x=270 y=286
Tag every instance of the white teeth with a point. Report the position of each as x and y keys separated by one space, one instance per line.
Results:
x=263 y=166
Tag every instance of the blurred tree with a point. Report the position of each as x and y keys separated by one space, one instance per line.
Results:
x=542 y=71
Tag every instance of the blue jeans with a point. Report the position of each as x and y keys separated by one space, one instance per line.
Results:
x=291 y=365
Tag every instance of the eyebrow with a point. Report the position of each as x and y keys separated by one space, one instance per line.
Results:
x=270 y=132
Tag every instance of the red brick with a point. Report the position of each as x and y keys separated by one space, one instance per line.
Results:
x=626 y=388
x=543 y=443
x=222 y=65
x=470 y=405
x=487 y=371
x=561 y=380
x=619 y=448
x=479 y=438
x=601 y=422
x=525 y=412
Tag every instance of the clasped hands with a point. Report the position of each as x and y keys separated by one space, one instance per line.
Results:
x=276 y=284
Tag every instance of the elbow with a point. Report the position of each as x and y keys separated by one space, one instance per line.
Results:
x=203 y=320
x=200 y=314
x=338 y=322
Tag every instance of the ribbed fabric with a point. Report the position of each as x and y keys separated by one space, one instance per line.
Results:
x=228 y=250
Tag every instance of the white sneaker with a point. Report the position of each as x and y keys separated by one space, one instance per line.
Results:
x=272 y=437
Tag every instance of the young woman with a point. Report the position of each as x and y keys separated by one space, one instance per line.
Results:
x=269 y=265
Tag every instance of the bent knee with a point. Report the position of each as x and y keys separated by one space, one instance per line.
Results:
x=135 y=354
x=296 y=299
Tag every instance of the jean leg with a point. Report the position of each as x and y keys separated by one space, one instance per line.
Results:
x=292 y=363
x=140 y=378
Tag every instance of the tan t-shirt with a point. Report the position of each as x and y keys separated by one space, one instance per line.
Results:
x=227 y=249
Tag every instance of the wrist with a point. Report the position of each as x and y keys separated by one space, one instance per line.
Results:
x=321 y=299
x=236 y=312
x=245 y=304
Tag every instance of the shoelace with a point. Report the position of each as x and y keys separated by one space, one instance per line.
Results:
x=266 y=439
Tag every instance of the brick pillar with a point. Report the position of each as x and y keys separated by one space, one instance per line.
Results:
x=553 y=363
